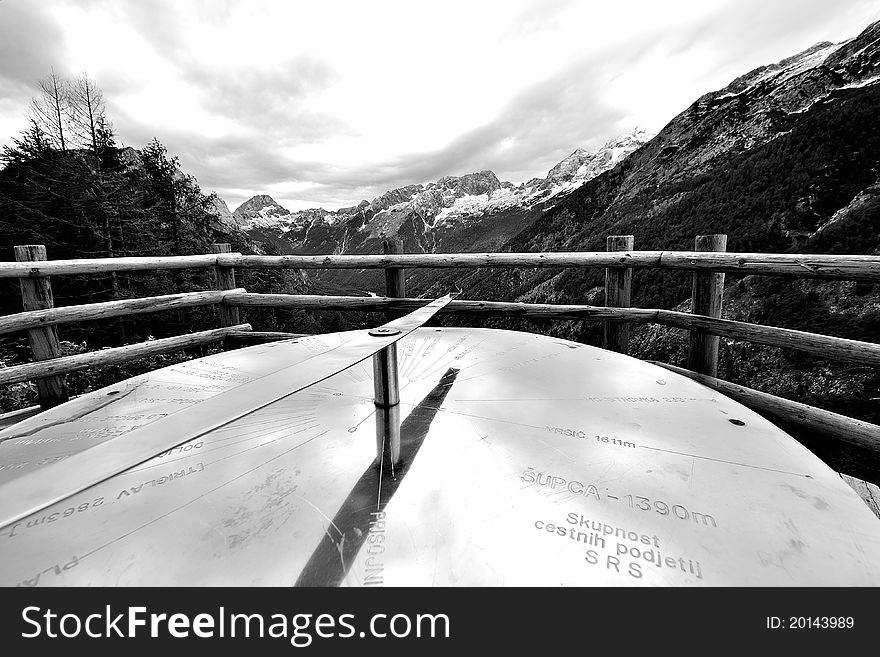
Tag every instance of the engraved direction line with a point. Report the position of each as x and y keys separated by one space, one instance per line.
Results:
x=269 y=442
x=216 y=448
x=252 y=433
x=415 y=359
x=424 y=351
x=206 y=493
x=709 y=458
x=453 y=355
x=520 y=399
x=479 y=375
x=238 y=452
x=463 y=414
x=211 y=447
x=258 y=427
x=502 y=357
x=437 y=363
x=491 y=419
x=357 y=425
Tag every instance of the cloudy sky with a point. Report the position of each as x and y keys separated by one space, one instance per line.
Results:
x=327 y=103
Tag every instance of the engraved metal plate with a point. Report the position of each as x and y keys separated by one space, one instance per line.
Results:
x=294 y=370
x=525 y=460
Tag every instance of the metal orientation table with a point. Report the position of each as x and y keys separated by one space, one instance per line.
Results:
x=523 y=460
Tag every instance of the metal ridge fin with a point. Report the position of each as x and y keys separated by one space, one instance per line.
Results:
x=42 y=488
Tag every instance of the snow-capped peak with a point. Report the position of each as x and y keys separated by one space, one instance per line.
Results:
x=583 y=165
x=261 y=206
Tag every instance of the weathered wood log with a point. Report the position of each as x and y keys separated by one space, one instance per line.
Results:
x=36 y=295
x=239 y=339
x=449 y=260
x=113 y=356
x=847 y=267
x=395 y=277
x=823 y=346
x=106 y=309
x=510 y=309
x=618 y=294
x=99 y=265
x=224 y=279
x=707 y=293
x=831 y=424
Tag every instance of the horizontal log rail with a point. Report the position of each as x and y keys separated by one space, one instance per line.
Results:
x=841 y=427
x=641 y=259
x=460 y=307
x=104 y=310
x=845 y=267
x=848 y=267
x=114 y=355
x=104 y=265
x=823 y=346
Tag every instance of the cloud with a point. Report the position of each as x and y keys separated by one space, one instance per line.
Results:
x=159 y=22
x=746 y=34
x=329 y=103
x=272 y=100
x=537 y=16
x=268 y=95
x=544 y=123
x=31 y=43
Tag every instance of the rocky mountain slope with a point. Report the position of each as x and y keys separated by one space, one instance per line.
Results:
x=258 y=207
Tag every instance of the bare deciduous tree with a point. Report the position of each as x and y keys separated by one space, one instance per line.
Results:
x=51 y=109
x=88 y=113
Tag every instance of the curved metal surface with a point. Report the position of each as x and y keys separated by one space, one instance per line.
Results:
x=525 y=460
x=299 y=369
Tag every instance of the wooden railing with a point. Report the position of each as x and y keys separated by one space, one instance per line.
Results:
x=708 y=262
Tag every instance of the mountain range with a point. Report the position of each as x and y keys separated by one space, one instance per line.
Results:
x=428 y=215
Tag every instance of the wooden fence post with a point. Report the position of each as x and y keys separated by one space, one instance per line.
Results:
x=618 y=293
x=224 y=279
x=395 y=277
x=706 y=299
x=36 y=294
